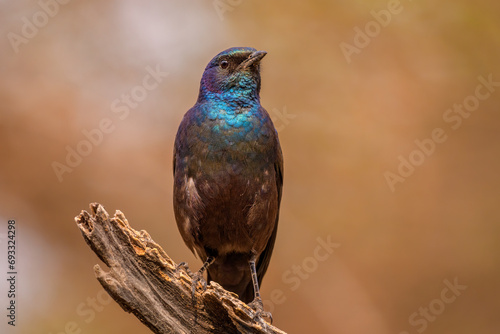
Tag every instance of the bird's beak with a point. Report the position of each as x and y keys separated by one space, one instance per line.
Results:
x=253 y=58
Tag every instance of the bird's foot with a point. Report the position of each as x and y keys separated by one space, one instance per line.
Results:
x=182 y=265
x=198 y=278
x=258 y=307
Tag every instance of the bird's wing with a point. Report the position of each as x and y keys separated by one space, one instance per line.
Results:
x=265 y=257
x=173 y=161
x=186 y=202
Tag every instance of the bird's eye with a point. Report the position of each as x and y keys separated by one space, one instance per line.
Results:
x=224 y=64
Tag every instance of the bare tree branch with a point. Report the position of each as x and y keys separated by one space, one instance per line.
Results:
x=144 y=281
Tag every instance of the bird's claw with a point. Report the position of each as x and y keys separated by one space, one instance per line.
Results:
x=182 y=265
x=258 y=307
x=198 y=277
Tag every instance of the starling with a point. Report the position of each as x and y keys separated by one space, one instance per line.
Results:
x=228 y=176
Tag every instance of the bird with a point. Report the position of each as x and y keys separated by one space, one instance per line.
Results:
x=228 y=176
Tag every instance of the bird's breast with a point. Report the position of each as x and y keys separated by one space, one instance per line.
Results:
x=241 y=124
x=231 y=135
x=224 y=172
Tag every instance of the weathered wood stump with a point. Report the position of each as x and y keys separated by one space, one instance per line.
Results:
x=144 y=281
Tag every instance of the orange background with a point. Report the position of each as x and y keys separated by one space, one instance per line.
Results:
x=343 y=125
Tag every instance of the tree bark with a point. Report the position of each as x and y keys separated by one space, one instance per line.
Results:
x=144 y=281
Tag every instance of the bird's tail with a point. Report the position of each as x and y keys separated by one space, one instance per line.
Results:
x=247 y=294
x=244 y=291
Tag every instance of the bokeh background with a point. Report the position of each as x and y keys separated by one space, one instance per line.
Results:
x=344 y=121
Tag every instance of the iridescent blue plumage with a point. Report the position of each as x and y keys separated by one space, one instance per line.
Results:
x=228 y=173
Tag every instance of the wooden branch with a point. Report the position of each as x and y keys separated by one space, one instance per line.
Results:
x=143 y=280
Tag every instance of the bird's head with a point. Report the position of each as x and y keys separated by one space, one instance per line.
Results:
x=234 y=72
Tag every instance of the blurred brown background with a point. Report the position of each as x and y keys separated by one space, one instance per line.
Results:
x=344 y=119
